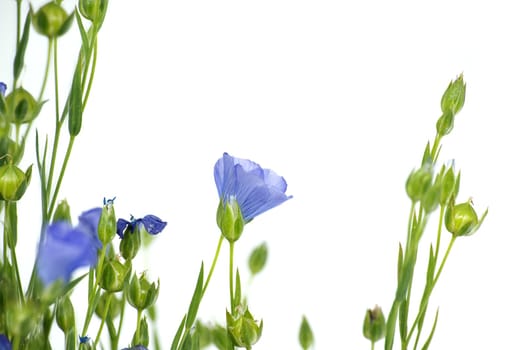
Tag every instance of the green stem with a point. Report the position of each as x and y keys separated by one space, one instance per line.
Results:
x=136 y=339
x=372 y=345
x=123 y=307
x=106 y=310
x=95 y=290
x=216 y=256
x=92 y=73
x=8 y=228
x=61 y=176
x=46 y=73
x=231 y=277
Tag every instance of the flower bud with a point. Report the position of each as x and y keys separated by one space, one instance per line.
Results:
x=374 y=324
x=445 y=123
x=461 y=219
x=454 y=96
x=305 y=336
x=258 y=258
x=21 y=107
x=141 y=293
x=419 y=182
x=141 y=337
x=130 y=244
x=114 y=274
x=51 y=20
x=114 y=309
x=107 y=227
x=65 y=314
x=93 y=10
x=62 y=212
x=450 y=185
x=245 y=331
x=230 y=220
x=13 y=182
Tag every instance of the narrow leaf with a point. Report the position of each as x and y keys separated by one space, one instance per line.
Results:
x=428 y=341
x=196 y=300
x=178 y=334
x=75 y=103
x=402 y=320
x=430 y=276
x=21 y=49
x=400 y=261
x=237 y=294
x=83 y=35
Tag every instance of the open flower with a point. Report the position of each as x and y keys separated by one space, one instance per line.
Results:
x=151 y=223
x=64 y=249
x=255 y=189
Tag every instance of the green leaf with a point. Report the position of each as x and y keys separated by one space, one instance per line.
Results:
x=400 y=261
x=431 y=267
x=21 y=49
x=306 y=336
x=391 y=325
x=75 y=103
x=196 y=300
x=428 y=341
x=178 y=334
x=402 y=320
x=83 y=35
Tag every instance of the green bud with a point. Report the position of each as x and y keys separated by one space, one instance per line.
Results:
x=306 y=337
x=107 y=223
x=13 y=182
x=258 y=258
x=230 y=220
x=114 y=308
x=431 y=198
x=374 y=324
x=141 y=293
x=114 y=274
x=21 y=106
x=141 y=335
x=419 y=182
x=65 y=314
x=62 y=212
x=450 y=185
x=51 y=20
x=461 y=219
x=130 y=244
x=445 y=123
x=454 y=96
x=93 y=10
x=244 y=330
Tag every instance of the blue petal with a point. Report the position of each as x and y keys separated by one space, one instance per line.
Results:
x=152 y=224
x=3 y=88
x=63 y=250
x=121 y=227
x=4 y=343
x=89 y=222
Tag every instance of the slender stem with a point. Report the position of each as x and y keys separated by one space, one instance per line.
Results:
x=439 y=231
x=137 y=339
x=92 y=73
x=95 y=291
x=8 y=228
x=218 y=249
x=123 y=304
x=46 y=73
x=451 y=242
x=57 y=128
x=106 y=310
x=231 y=277
x=372 y=345
x=61 y=175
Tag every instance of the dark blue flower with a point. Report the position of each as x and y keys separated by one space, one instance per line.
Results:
x=84 y=339
x=3 y=88
x=255 y=189
x=64 y=249
x=136 y=347
x=4 y=342
x=151 y=223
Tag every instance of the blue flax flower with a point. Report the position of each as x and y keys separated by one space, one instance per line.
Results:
x=151 y=223
x=255 y=189
x=4 y=342
x=3 y=88
x=136 y=347
x=64 y=249
x=89 y=222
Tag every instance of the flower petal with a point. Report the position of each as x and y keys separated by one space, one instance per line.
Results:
x=89 y=222
x=152 y=224
x=63 y=250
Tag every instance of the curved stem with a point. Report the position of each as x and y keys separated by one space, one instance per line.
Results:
x=46 y=73
x=218 y=249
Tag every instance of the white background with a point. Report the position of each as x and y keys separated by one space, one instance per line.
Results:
x=340 y=98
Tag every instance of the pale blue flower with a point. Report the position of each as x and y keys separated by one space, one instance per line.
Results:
x=255 y=189
x=151 y=223
x=63 y=250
